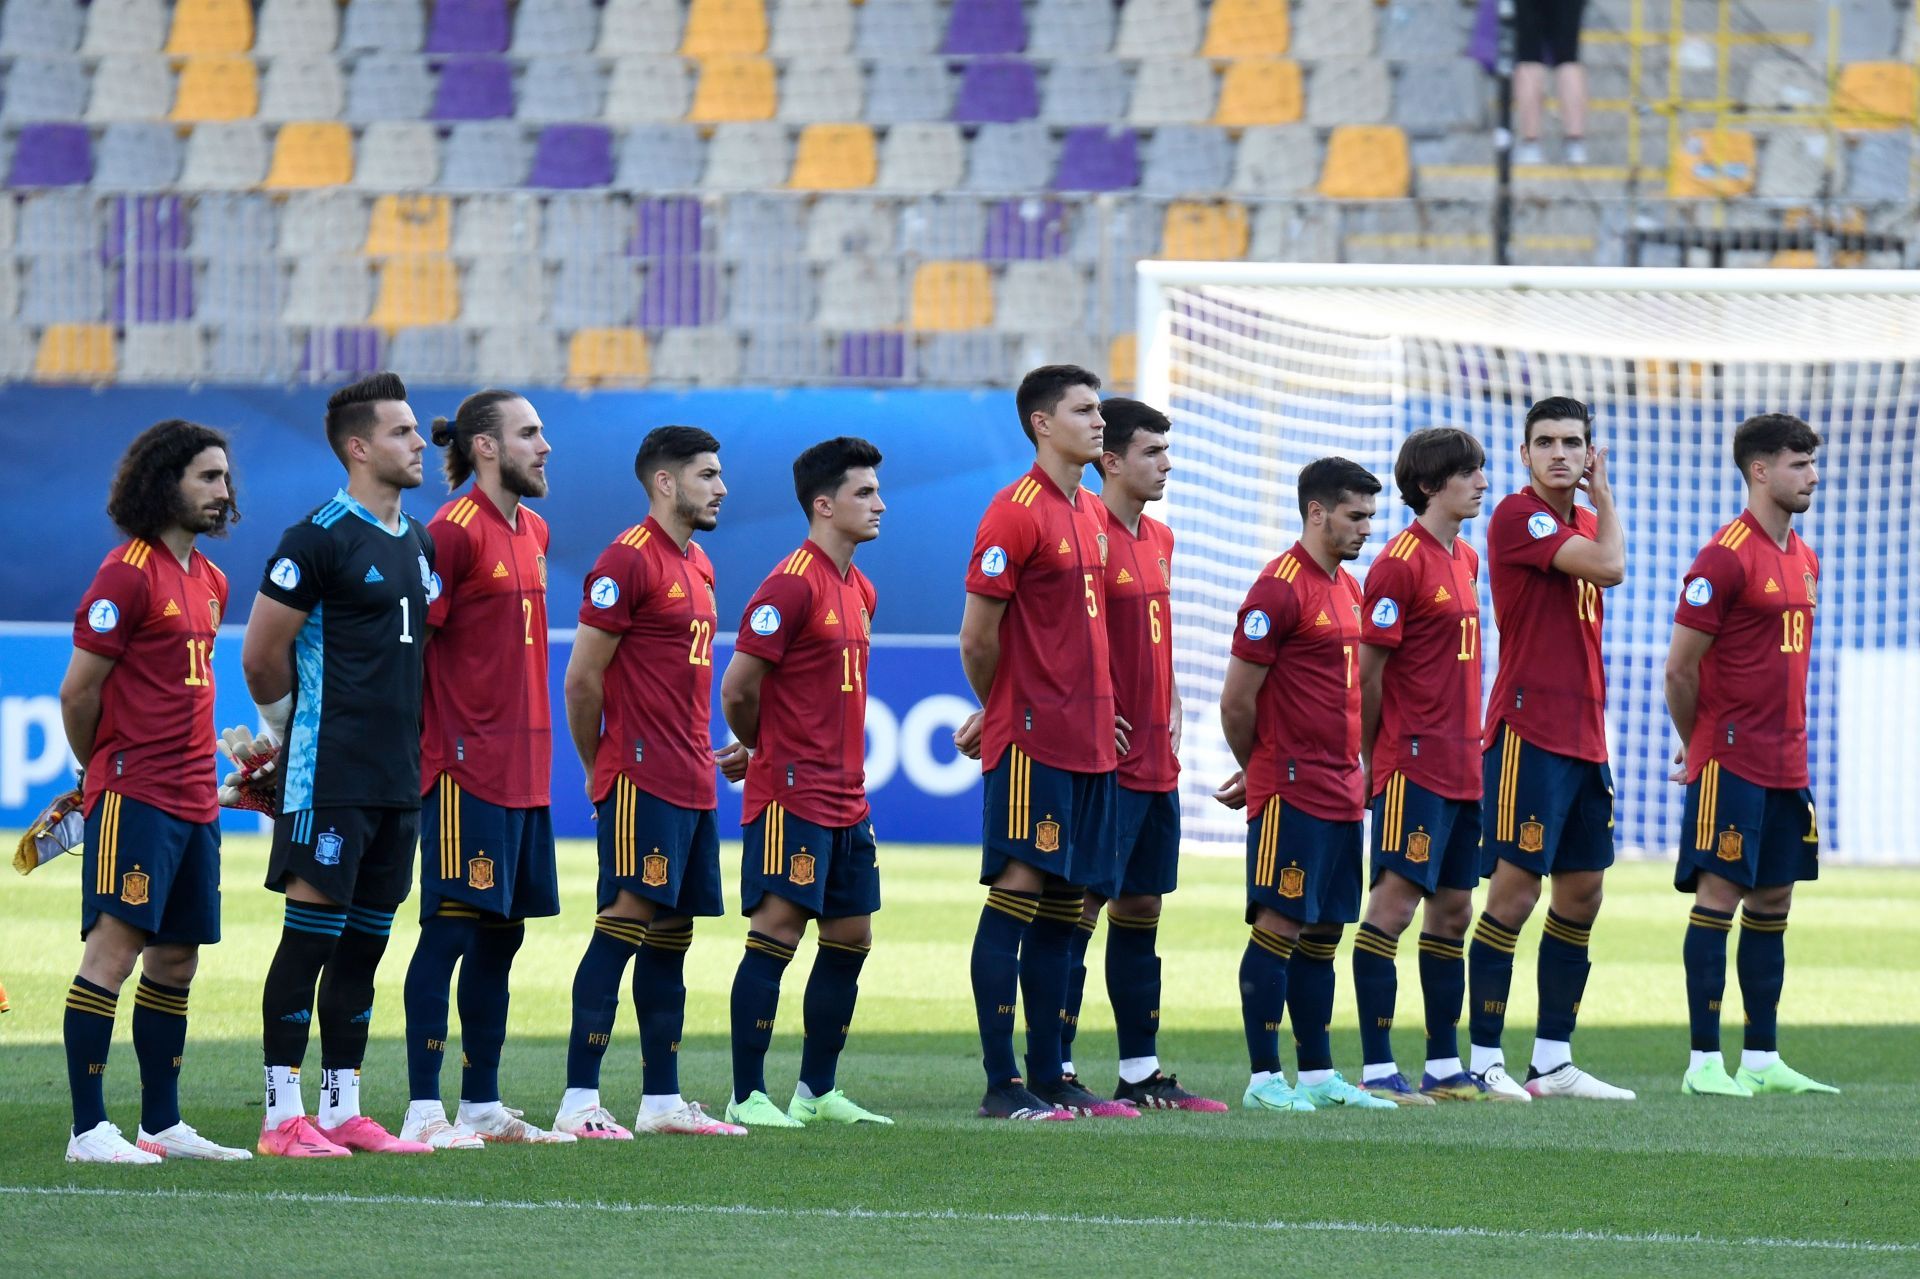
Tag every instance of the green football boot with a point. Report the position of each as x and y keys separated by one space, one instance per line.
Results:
x=1335 y=1091
x=1779 y=1078
x=1710 y=1079
x=832 y=1108
x=1274 y=1094
x=758 y=1111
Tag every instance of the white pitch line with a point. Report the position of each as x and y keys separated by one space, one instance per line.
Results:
x=980 y=1218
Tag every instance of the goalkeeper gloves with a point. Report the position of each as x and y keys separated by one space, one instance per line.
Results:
x=251 y=785
x=59 y=829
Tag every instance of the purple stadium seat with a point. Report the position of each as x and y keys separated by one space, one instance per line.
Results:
x=469 y=26
x=352 y=350
x=474 y=89
x=873 y=355
x=162 y=289
x=570 y=156
x=985 y=26
x=666 y=227
x=144 y=225
x=1026 y=230
x=1095 y=158
x=997 y=91
x=51 y=155
x=681 y=292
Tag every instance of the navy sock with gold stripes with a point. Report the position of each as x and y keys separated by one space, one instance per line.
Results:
x=1762 y=964
x=1376 y=988
x=485 y=998
x=88 y=1031
x=1490 y=980
x=444 y=937
x=1133 y=982
x=828 y=1011
x=995 y=973
x=596 y=995
x=1263 y=996
x=1044 y=955
x=1705 y=955
x=1076 y=985
x=1564 y=966
x=660 y=998
x=1310 y=981
x=159 y=1041
x=756 y=998
x=1443 y=988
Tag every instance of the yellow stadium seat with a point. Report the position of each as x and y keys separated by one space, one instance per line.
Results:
x=1712 y=165
x=600 y=357
x=1246 y=29
x=314 y=154
x=1259 y=91
x=75 y=353
x=834 y=157
x=417 y=290
x=410 y=224
x=1204 y=232
x=1122 y=357
x=725 y=26
x=1875 y=95
x=222 y=86
x=950 y=297
x=1366 y=162
x=211 y=26
x=733 y=89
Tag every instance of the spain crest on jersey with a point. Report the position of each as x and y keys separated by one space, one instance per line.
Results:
x=480 y=873
x=1046 y=837
x=213 y=612
x=1101 y=538
x=653 y=870
x=1812 y=591
x=1731 y=846
x=1419 y=847
x=1166 y=571
x=1533 y=837
x=540 y=570
x=133 y=888
x=800 y=868
x=1293 y=882
x=866 y=623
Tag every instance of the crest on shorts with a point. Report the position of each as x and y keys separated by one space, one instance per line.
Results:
x=480 y=873
x=1533 y=837
x=1732 y=844
x=1293 y=882
x=1811 y=585
x=133 y=888
x=1046 y=837
x=800 y=868
x=540 y=568
x=1419 y=847
x=326 y=849
x=653 y=870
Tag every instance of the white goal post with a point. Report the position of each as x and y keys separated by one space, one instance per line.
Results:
x=1264 y=367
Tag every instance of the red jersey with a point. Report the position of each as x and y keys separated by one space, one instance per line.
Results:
x=488 y=715
x=659 y=687
x=157 y=621
x=1757 y=601
x=1052 y=695
x=1140 y=643
x=816 y=628
x=1550 y=685
x=1422 y=603
x=1305 y=626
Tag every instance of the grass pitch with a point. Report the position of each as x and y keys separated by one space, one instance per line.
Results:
x=1668 y=1185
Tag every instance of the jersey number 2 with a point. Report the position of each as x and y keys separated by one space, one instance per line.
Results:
x=700 y=652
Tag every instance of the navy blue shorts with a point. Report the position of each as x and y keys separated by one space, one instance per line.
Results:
x=150 y=869
x=495 y=859
x=1053 y=820
x=1754 y=836
x=1304 y=867
x=1550 y=812
x=356 y=856
x=1147 y=846
x=1429 y=840
x=831 y=872
x=659 y=852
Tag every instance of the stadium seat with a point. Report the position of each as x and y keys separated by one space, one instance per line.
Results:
x=1062 y=346
x=639 y=26
x=1880 y=167
x=225 y=156
x=705 y=357
x=1123 y=360
x=834 y=157
x=767 y=291
x=1366 y=162
x=1028 y=229
x=521 y=355
x=404 y=224
x=45 y=88
x=497 y=224
x=388 y=86
x=342 y=352
x=1172 y=91
x=849 y=227
x=871 y=357
x=1040 y=297
x=328 y=290
x=468 y=26
x=131 y=86
x=770 y=225
x=588 y=292
x=1204 y=232
x=716 y=28
x=312 y=154
x=417 y=290
x=909 y=90
x=1158 y=28
x=76 y=353
x=397 y=155
x=247 y=291
x=170 y=353
x=297 y=26
x=250 y=354
x=1247 y=29
x=897 y=28
x=812 y=27
x=945 y=227
x=1085 y=91
x=124 y=26
x=608 y=357
x=1351 y=91
x=326 y=222
x=137 y=157
x=747 y=157
x=964 y=359
x=1071 y=29
x=554 y=27
x=59 y=221
x=17 y=352
x=302 y=87
x=817 y=88
x=1011 y=157
x=572 y=156
x=861 y=293
x=1275 y=161
x=1427 y=32
x=474 y=89
x=216 y=87
x=648 y=89
x=50 y=26
x=783 y=356
x=952 y=297
x=985 y=26
x=1784 y=83
x=1712 y=165
x=9 y=291
x=64 y=288
x=1875 y=95
x=681 y=291
x=997 y=91
x=482 y=156
x=734 y=88
x=922 y=158
x=384 y=26
x=1332 y=29
x=437 y=354
x=666 y=226
x=1797 y=164
x=661 y=157
x=1257 y=91
x=1097 y=159
x=203 y=27
x=1440 y=98
x=51 y=155
x=500 y=285
x=560 y=89
x=1186 y=160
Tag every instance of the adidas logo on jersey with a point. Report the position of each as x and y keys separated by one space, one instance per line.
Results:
x=1323 y=619
x=675 y=593
x=1441 y=596
x=1125 y=579
x=499 y=568
x=1064 y=548
x=833 y=618
x=1773 y=587
x=171 y=610
x=373 y=575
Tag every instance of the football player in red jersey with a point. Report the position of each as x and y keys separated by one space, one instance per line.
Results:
x=1545 y=768
x=1737 y=690
x=1420 y=743
x=796 y=694
x=1290 y=710
x=639 y=691
x=1033 y=640
x=137 y=703
x=486 y=750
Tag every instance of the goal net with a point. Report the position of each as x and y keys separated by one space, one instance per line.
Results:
x=1265 y=367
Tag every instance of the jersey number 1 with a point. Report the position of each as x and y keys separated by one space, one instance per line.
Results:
x=406 y=620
